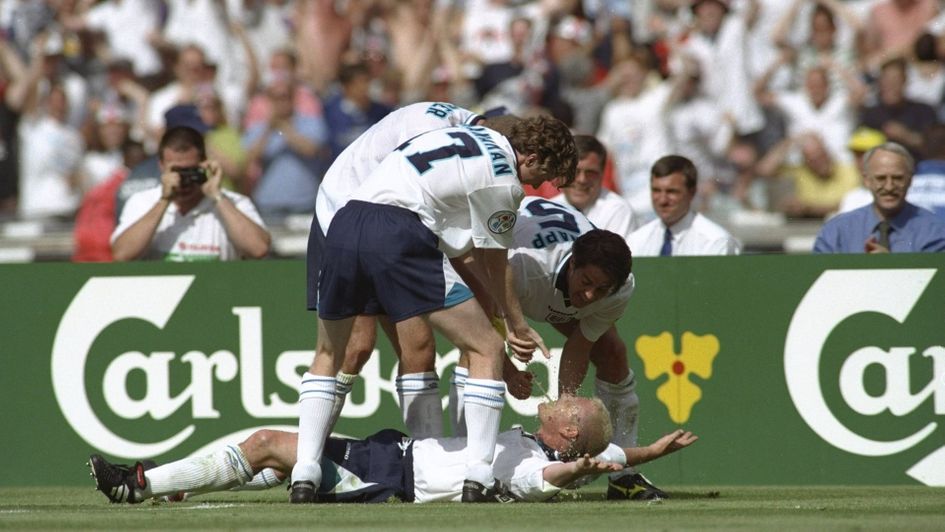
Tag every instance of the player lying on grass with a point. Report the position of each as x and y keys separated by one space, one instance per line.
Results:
x=530 y=467
x=578 y=279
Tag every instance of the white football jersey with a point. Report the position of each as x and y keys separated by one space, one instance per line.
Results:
x=544 y=233
x=461 y=181
x=439 y=467
x=362 y=156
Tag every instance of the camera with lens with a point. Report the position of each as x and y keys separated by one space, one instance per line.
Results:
x=191 y=175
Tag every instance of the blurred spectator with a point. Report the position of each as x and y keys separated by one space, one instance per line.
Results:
x=127 y=26
x=893 y=27
x=188 y=217
x=190 y=73
x=902 y=120
x=718 y=42
x=352 y=111
x=678 y=229
x=925 y=76
x=224 y=143
x=633 y=131
x=818 y=107
x=928 y=183
x=96 y=218
x=816 y=185
x=698 y=130
x=863 y=140
x=321 y=35
x=283 y=67
x=12 y=97
x=889 y=223
x=104 y=154
x=50 y=149
x=605 y=209
x=290 y=149
x=829 y=37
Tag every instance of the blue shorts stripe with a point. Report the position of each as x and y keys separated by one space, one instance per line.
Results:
x=459 y=293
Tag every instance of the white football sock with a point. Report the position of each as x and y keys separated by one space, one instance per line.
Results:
x=457 y=387
x=343 y=384
x=483 y=401
x=420 y=404
x=316 y=399
x=222 y=470
x=623 y=404
x=265 y=479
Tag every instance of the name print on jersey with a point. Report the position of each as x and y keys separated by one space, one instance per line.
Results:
x=500 y=162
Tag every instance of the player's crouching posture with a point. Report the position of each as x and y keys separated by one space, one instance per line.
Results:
x=530 y=467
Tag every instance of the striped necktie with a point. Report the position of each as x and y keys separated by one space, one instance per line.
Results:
x=667 y=249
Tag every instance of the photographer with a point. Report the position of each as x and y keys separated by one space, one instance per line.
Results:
x=188 y=217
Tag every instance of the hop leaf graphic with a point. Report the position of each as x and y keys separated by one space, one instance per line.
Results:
x=678 y=393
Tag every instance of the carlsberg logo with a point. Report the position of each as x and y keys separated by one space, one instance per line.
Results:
x=104 y=301
x=834 y=297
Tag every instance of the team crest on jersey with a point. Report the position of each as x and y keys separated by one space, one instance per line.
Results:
x=502 y=222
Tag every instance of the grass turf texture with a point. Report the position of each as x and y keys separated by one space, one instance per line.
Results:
x=821 y=507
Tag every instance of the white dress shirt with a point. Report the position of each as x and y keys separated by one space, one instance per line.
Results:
x=694 y=234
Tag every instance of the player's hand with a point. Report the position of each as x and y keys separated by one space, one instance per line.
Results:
x=170 y=184
x=524 y=341
x=211 y=187
x=872 y=246
x=674 y=441
x=518 y=382
x=588 y=465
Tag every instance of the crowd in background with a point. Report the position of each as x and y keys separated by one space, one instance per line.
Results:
x=772 y=99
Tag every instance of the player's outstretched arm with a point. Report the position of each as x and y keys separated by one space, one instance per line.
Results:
x=668 y=444
x=561 y=474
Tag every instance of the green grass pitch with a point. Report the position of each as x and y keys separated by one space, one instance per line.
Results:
x=692 y=507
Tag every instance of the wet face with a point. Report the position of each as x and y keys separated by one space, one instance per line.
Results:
x=187 y=158
x=554 y=414
x=887 y=176
x=587 y=285
x=585 y=189
x=671 y=197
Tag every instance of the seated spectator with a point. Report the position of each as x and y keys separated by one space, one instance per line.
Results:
x=902 y=120
x=890 y=223
x=289 y=147
x=678 y=230
x=605 y=209
x=188 y=217
x=817 y=185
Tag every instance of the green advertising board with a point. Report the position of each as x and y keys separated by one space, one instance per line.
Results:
x=792 y=370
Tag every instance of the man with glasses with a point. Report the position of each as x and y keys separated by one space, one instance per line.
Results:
x=889 y=223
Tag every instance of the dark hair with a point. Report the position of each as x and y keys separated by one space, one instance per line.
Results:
x=551 y=141
x=182 y=138
x=820 y=9
x=606 y=250
x=348 y=72
x=924 y=47
x=587 y=144
x=670 y=164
